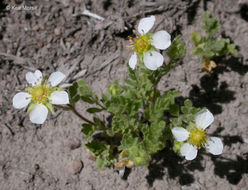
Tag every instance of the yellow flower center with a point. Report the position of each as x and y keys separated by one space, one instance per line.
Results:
x=40 y=93
x=197 y=137
x=142 y=43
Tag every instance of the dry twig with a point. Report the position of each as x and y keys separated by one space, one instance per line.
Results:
x=90 y=14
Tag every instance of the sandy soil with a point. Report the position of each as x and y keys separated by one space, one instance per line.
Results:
x=55 y=36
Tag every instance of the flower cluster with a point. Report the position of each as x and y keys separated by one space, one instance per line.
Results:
x=41 y=95
x=146 y=45
x=194 y=136
x=138 y=128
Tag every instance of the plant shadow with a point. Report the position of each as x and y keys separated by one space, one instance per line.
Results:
x=244 y=11
x=178 y=167
x=192 y=11
x=232 y=170
x=211 y=93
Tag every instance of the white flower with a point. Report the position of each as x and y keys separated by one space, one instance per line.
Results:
x=147 y=45
x=196 y=138
x=41 y=95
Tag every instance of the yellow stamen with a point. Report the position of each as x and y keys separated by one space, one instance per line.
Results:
x=197 y=137
x=142 y=43
x=39 y=93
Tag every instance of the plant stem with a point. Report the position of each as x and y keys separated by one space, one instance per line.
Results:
x=142 y=96
x=155 y=89
x=79 y=115
x=73 y=109
x=101 y=106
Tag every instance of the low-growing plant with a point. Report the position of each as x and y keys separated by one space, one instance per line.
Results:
x=209 y=46
x=142 y=118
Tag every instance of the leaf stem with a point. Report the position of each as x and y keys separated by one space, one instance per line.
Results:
x=73 y=109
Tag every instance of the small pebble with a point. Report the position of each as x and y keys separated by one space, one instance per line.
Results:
x=40 y=44
x=234 y=125
x=48 y=46
x=245 y=140
x=57 y=31
x=74 y=143
x=124 y=184
x=74 y=167
x=190 y=187
x=36 y=27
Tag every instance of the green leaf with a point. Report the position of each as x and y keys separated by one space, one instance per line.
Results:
x=195 y=38
x=75 y=99
x=188 y=112
x=188 y=103
x=84 y=89
x=102 y=152
x=154 y=138
x=100 y=163
x=174 y=110
x=142 y=159
x=177 y=50
x=104 y=98
x=88 y=99
x=73 y=90
x=94 y=110
x=131 y=82
x=88 y=130
x=211 y=25
x=210 y=46
x=73 y=93
x=97 y=148
x=218 y=45
x=207 y=53
x=231 y=49
x=128 y=140
x=99 y=123
x=177 y=146
x=114 y=89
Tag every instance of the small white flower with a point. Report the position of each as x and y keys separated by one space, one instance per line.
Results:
x=41 y=95
x=147 y=45
x=196 y=138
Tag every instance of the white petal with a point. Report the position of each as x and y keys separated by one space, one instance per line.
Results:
x=56 y=78
x=21 y=100
x=39 y=114
x=180 y=134
x=38 y=74
x=214 y=145
x=153 y=60
x=122 y=172
x=59 y=97
x=204 y=118
x=161 y=40
x=34 y=78
x=146 y=24
x=189 y=151
x=133 y=61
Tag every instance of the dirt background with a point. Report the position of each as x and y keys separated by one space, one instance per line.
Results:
x=56 y=36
